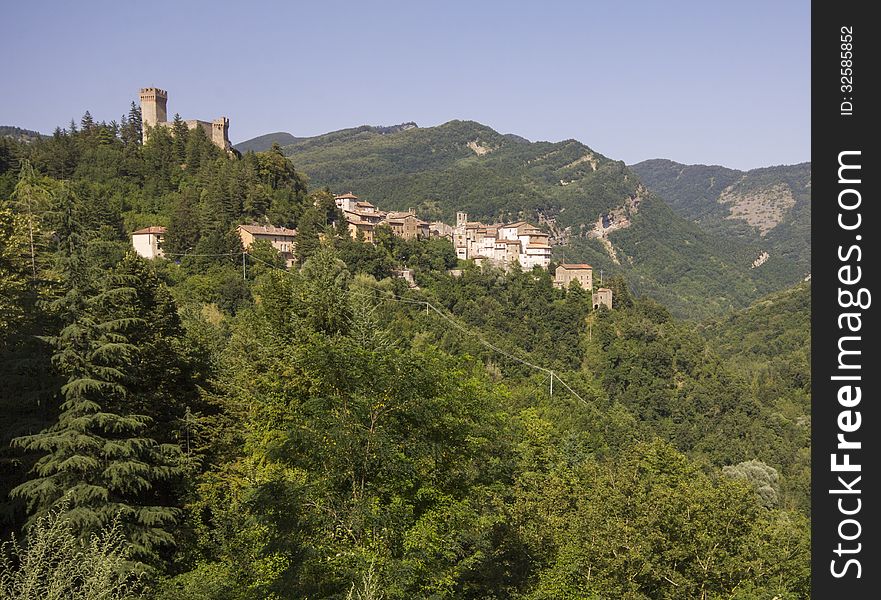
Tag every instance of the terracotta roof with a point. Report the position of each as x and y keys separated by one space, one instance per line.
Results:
x=363 y=203
x=373 y=216
x=603 y=290
x=347 y=196
x=575 y=266
x=540 y=246
x=154 y=229
x=268 y=230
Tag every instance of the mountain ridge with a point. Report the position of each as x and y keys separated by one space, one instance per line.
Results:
x=597 y=209
x=768 y=208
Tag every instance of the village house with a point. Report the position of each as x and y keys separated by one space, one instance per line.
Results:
x=407 y=225
x=147 y=242
x=441 y=230
x=363 y=217
x=501 y=244
x=281 y=238
x=581 y=273
x=602 y=297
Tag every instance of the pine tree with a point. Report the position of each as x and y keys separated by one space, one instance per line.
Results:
x=95 y=456
x=31 y=198
x=132 y=127
x=87 y=123
x=180 y=133
x=183 y=228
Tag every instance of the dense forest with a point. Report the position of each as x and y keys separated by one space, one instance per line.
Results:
x=708 y=195
x=212 y=425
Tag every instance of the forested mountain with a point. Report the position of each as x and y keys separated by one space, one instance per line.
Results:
x=766 y=209
x=265 y=142
x=568 y=188
x=235 y=430
x=19 y=134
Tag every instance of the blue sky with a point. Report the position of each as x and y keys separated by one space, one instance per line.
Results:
x=697 y=82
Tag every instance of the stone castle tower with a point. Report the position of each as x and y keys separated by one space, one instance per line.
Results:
x=153 y=108
x=154 y=113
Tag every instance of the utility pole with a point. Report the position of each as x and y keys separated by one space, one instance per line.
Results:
x=244 y=277
x=552 y=383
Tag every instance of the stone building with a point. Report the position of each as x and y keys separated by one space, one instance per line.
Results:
x=407 y=225
x=501 y=244
x=155 y=114
x=602 y=297
x=441 y=230
x=363 y=217
x=281 y=238
x=147 y=242
x=581 y=273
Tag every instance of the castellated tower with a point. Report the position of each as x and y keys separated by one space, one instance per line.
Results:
x=155 y=114
x=153 y=108
x=220 y=133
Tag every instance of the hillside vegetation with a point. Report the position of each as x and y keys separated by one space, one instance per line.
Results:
x=565 y=187
x=265 y=142
x=214 y=426
x=768 y=210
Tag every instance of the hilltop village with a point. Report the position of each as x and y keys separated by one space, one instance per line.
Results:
x=500 y=245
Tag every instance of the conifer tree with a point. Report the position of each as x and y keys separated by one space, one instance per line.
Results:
x=179 y=131
x=131 y=130
x=183 y=228
x=95 y=456
x=87 y=123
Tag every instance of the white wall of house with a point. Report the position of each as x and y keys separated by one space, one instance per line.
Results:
x=147 y=245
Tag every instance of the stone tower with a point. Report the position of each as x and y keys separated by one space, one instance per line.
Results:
x=220 y=133
x=461 y=219
x=153 y=107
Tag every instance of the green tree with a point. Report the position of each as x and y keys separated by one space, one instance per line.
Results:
x=95 y=456
x=321 y=219
x=763 y=478
x=55 y=564
x=183 y=228
x=180 y=132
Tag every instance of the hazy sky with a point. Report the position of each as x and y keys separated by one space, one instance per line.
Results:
x=694 y=81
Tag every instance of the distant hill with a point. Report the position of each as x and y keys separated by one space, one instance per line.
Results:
x=265 y=142
x=768 y=209
x=19 y=134
x=595 y=208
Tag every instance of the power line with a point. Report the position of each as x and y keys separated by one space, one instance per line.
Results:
x=450 y=319
x=189 y=254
